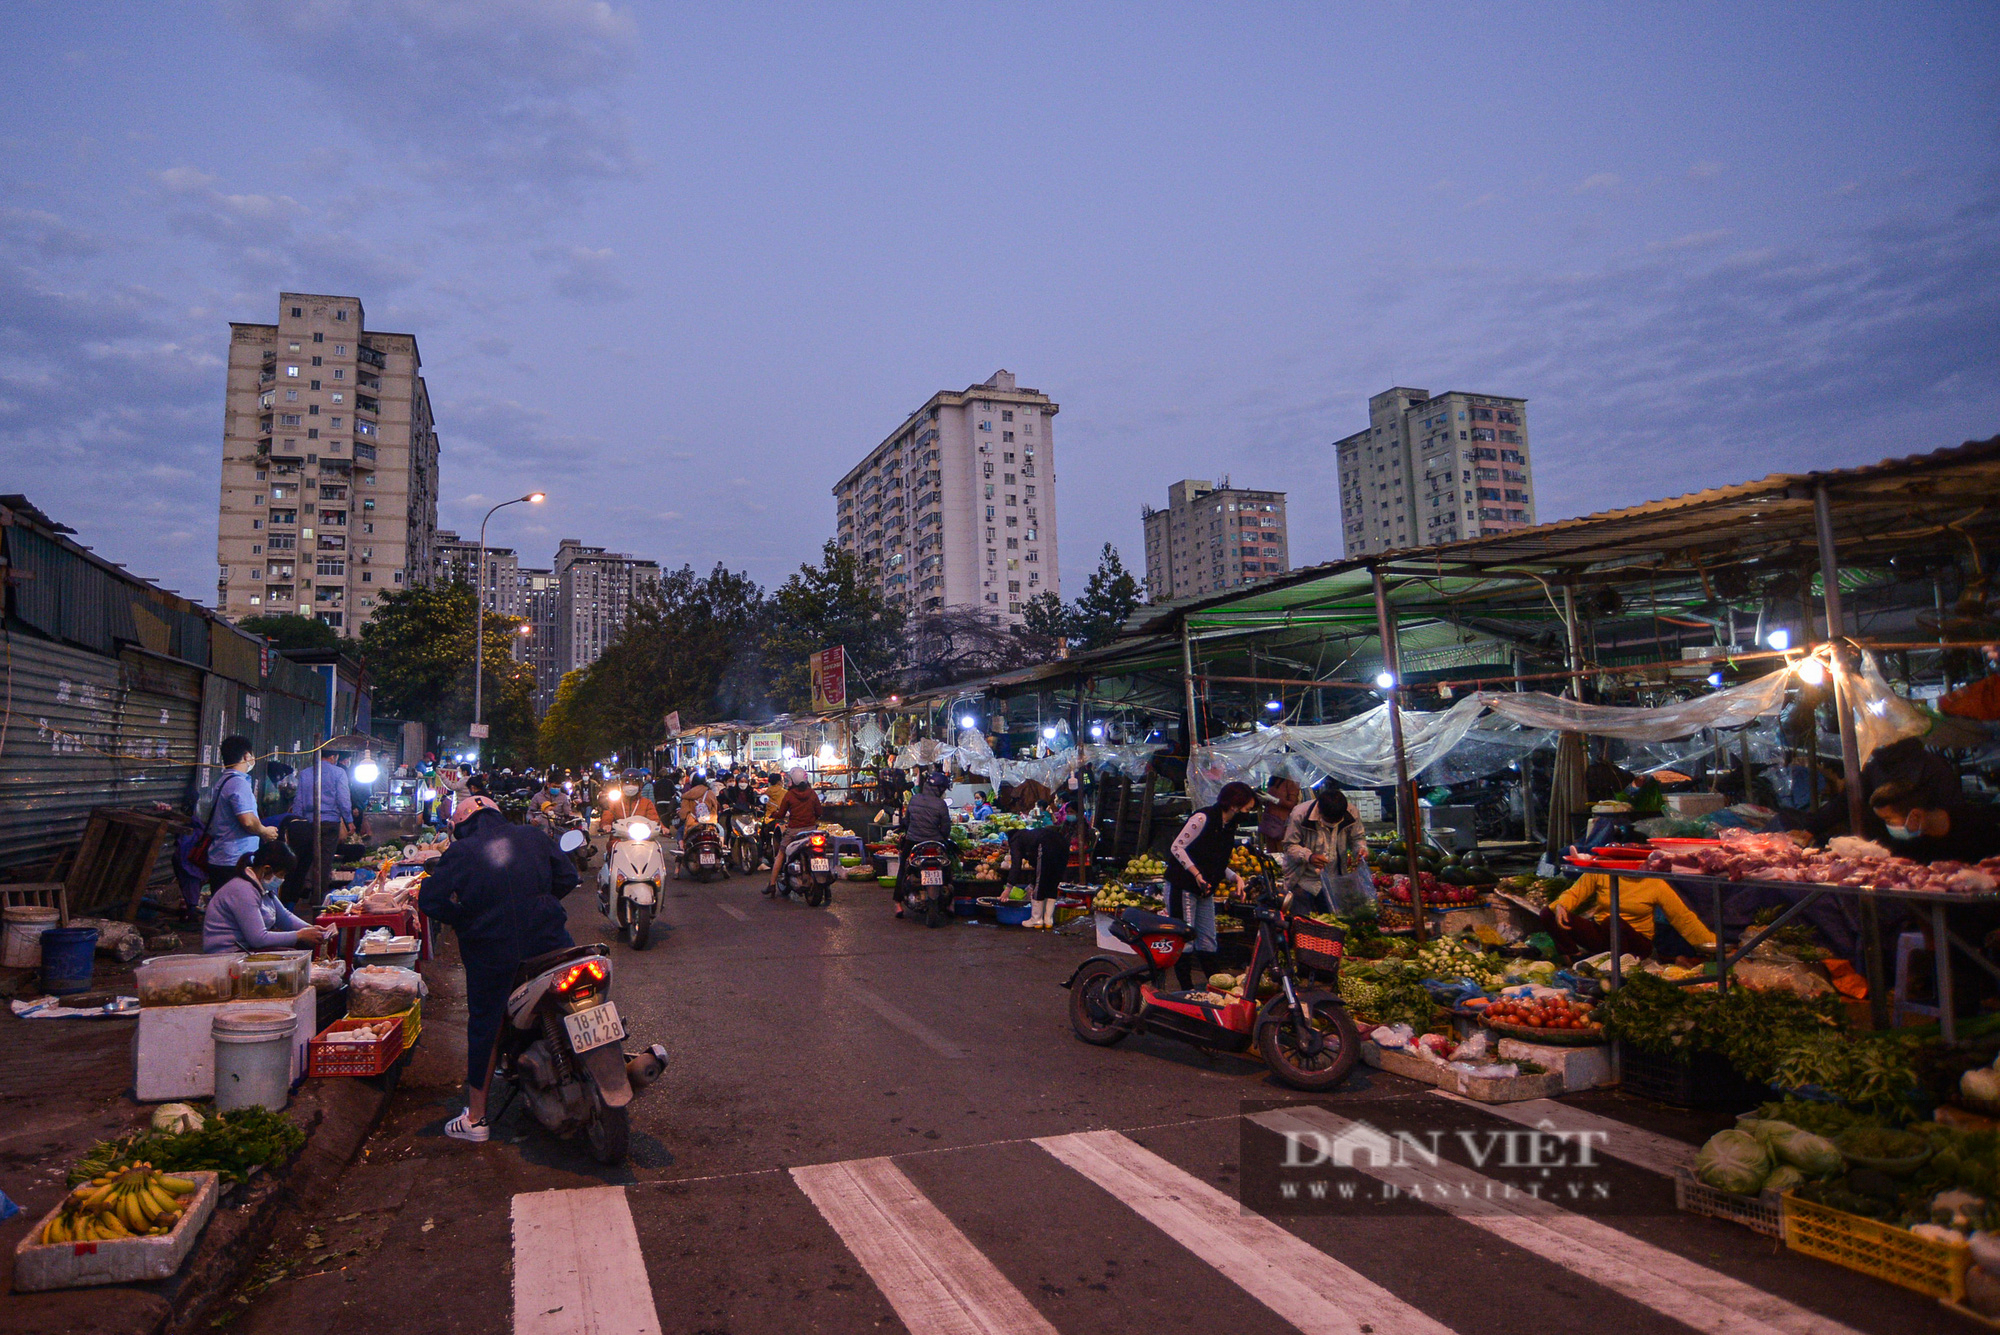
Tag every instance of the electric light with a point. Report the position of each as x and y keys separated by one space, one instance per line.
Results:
x=1779 y=639
x=967 y=721
x=1812 y=672
x=638 y=831
x=1385 y=681
x=367 y=772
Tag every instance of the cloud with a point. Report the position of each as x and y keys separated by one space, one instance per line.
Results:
x=1691 y=241
x=583 y=274
x=1602 y=182
x=476 y=95
x=492 y=347
x=46 y=236
x=273 y=241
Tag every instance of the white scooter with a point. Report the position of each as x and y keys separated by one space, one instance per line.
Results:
x=628 y=887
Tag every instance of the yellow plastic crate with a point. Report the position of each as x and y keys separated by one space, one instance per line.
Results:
x=1935 y=1269
x=413 y=1024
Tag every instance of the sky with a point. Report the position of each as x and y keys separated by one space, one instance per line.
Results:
x=681 y=266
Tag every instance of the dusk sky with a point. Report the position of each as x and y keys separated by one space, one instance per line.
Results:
x=682 y=265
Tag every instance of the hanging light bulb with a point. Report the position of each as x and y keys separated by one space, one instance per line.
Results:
x=1385 y=681
x=1811 y=671
x=1779 y=639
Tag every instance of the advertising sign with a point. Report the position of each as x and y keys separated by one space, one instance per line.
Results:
x=767 y=748
x=674 y=724
x=829 y=680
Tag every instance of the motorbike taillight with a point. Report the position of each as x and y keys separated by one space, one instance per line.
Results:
x=590 y=971
x=819 y=841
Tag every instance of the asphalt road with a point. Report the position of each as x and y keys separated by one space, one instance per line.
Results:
x=871 y=1126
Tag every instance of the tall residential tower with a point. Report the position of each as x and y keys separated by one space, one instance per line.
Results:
x=956 y=508
x=1211 y=538
x=329 y=466
x=594 y=592
x=1437 y=469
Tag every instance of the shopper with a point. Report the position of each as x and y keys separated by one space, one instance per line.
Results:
x=1045 y=855
x=1199 y=862
x=1324 y=843
x=1280 y=798
x=322 y=818
x=500 y=887
x=245 y=914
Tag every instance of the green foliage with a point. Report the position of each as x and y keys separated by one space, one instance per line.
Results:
x=418 y=649
x=230 y=1143
x=289 y=630
x=1045 y=616
x=1754 y=1030
x=1107 y=602
x=822 y=606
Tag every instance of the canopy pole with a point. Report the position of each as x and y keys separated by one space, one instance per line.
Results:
x=1850 y=755
x=1408 y=822
x=1187 y=676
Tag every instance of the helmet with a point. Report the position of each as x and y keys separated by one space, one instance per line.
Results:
x=796 y=775
x=938 y=782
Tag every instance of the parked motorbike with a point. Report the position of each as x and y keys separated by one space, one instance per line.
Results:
x=701 y=854
x=808 y=870
x=631 y=903
x=924 y=882
x=746 y=844
x=1303 y=1032
x=560 y=1048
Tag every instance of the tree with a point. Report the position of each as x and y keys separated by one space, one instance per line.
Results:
x=289 y=630
x=954 y=643
x=822 y=606
x=1045 y=616
x=1108 y=601
x=418 y=650
x=563 y=737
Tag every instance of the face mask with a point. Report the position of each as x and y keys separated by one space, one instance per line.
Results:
x=1898 y=832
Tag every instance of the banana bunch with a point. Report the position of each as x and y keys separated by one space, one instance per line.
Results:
x=136 y=1203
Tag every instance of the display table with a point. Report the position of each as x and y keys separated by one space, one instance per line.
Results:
x=403 y=922
x=1804 y=893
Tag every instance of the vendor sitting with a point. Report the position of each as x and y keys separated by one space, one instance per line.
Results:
x=1927 y=832
x=245 y=914
x=1580 y=919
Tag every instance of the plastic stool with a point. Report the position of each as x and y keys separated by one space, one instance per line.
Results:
x=1908 y=944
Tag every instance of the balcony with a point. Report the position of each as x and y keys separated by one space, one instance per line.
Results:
x=333 y=542
x=367 y=381
x=367 y=405
x=267 y=378
x=369 y=357
x=364 y=454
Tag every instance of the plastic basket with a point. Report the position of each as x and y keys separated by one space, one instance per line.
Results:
x=1316 y=945
x=1705 y=1080
x=324 y=1058
x=413 y=1023
x=1762 y=1213
x=1935 y=1269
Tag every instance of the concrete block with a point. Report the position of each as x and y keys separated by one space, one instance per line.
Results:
x=1580 y=1068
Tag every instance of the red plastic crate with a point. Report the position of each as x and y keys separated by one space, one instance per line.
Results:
x=330 y=1059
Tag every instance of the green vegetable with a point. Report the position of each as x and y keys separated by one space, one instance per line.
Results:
x=1733 y=1161
x=1815 y=1156
x=231 y=1144
x=1784 y=1178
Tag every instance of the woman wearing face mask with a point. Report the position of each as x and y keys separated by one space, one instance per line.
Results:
x=245 y=914
x=1935 y=832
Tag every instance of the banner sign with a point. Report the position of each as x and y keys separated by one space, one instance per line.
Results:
x=829 y=680
x=674 y=724
x=767 y=748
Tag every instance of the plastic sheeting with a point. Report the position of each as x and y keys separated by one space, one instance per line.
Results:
x=1731 y=707
x=1880 y=715
x=1358 y=752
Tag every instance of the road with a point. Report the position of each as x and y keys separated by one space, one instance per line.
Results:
x=870 y=1126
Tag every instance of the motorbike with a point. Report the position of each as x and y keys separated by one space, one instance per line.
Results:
x=924 y=882
x=746 y=843
x=808 y=870
x=630 y=905
x=1303 y=1032
x=581 y=853
x=561 y=1048
x=701 y=852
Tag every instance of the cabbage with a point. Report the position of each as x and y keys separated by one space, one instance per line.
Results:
x=1734 y=1161
x=1812 y=1155
x=1784 y=1178
x=175 y=1118
x=1766 y=1131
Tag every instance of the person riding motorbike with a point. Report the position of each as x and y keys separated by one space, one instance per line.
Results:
x=697 y=802
x=635 y=856
x=927 y=820
x=797 y=814
x=549 y=804
x=642 y=803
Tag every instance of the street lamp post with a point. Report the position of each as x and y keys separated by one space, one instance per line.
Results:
x=479 y=613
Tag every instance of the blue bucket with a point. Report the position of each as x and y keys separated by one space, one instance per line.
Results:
x=69 y=955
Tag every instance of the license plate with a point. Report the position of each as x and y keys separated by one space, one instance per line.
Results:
x=822 y=864
x=708 y=859
x=933 y=878
x=594 y=1028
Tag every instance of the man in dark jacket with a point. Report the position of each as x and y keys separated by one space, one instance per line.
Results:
x=500 y=887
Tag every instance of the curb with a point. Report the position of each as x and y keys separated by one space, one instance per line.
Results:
x=337 y=1116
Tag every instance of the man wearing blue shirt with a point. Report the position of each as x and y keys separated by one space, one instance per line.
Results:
x=322 y=813
x=234 y=827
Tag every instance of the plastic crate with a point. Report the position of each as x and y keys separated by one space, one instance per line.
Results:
x=1704 y=1080
x=413 y=1023
x=1935 y=1269
x=1762 y=1213
x=325 y=1058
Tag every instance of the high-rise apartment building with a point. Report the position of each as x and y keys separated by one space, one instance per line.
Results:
x=540 y=596
x=594 y=591
x=1434 y=469
x=1210 y=538
x=329 y=465
x=452 y=561
x=957 y=506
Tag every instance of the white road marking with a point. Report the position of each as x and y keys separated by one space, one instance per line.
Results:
x=909 y=1024
x=1299 y=1282
x=577 y=1265
x=733 y=911
x=938 y=1282
x=1662 y=1280
x=1635 y=1145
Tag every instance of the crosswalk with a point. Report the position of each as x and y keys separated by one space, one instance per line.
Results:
x=936 y=1252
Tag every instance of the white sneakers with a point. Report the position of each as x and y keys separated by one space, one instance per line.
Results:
x=462 y=1127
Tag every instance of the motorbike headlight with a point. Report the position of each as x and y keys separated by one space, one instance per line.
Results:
x=639 y=831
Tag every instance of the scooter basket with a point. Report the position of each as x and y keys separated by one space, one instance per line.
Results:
x=1316 y=945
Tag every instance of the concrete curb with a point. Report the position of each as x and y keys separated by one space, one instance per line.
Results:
x=337 y=1116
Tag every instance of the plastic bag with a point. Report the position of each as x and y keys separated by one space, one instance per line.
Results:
x=328 y=975
x=377 y=989
x=1733 y=1161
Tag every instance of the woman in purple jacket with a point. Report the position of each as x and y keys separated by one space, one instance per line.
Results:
x=245 y=914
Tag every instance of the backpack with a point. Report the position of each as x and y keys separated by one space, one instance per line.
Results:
x=204 y=813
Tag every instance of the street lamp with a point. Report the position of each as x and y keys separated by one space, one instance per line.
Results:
x=479 y=604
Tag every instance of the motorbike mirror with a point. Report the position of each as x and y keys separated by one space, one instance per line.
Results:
x=571 y=841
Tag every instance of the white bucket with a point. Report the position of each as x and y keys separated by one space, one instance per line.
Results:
x=253 y=1056
x=25 y=925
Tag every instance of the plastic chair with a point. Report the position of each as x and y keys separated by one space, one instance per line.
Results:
x=1908 y=944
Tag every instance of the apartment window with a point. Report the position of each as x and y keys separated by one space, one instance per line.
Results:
x=1013 y=544
x=989 y=531
x=986 y=426
x=989 y=514
x=989 y=468
x=989 y=491
x=312 y=433
x=1006 y=437
x=1028 y=427
x=1008 y=479
x=339 y=315
x=1011 y=499
x=312 y=409
x=1008 y=457
x=1030 y=492
x=340 y=349
x=265 y=399
x=291 y=396
x=256 y=600
x=292 y=372
x=340 y=373
x=1007 y=414
x=1013 y=586
x=1012 y=522
x=396 y=576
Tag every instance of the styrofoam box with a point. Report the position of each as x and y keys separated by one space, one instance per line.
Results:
x=174 y=1048
x=71 y=1265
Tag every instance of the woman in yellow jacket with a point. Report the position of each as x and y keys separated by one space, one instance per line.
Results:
x=1580 y=919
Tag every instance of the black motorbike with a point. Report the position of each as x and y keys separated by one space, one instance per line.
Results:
x=923 y=882
x=808 y=869
x=746 y=842
x=702 y=855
